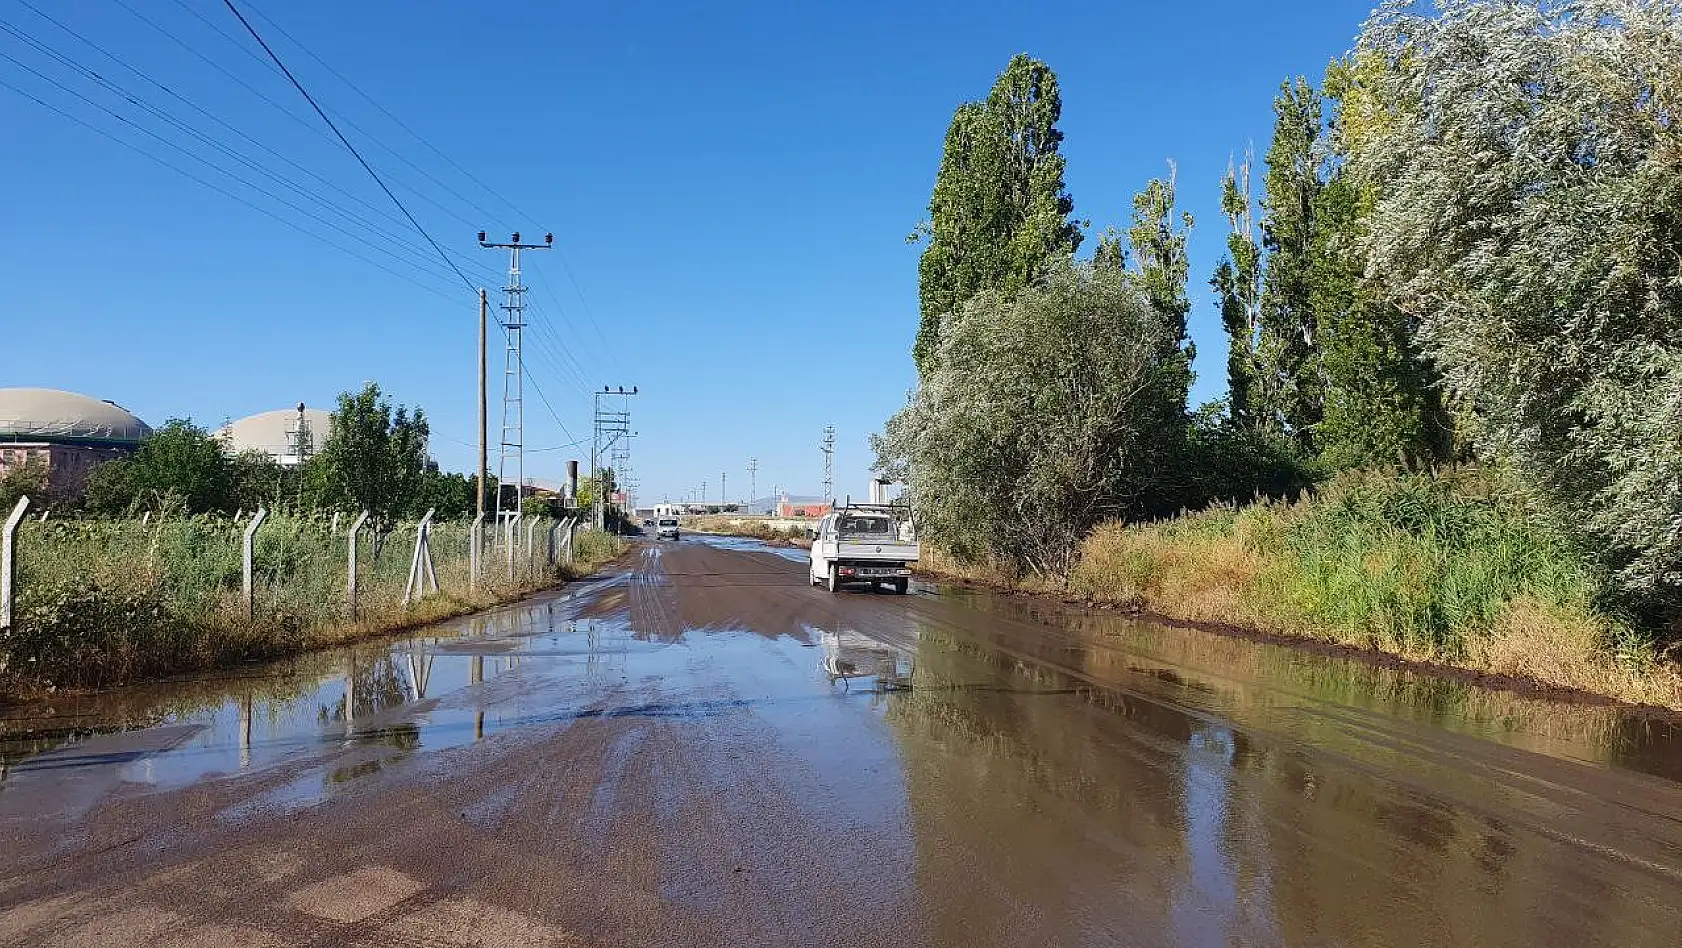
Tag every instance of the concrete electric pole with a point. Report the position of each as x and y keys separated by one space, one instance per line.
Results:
x=513 y=441
x=484 y=449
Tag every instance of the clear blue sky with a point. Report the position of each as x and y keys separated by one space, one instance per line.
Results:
x=729 y=185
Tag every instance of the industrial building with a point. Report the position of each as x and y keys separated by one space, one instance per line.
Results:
x=69 y=433
x=288 y=435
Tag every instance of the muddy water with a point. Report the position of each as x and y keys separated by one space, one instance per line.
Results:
x=761 y=762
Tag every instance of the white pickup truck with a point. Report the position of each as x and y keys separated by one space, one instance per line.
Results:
x=864 y=543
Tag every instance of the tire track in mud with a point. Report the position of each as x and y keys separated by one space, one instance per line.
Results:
x=653 y=614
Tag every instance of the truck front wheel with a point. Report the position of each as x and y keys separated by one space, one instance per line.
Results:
x=902 y=586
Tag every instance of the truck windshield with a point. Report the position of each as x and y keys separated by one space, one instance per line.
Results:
x=871 y=525
x=668 y=523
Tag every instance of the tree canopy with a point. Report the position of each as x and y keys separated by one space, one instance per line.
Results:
x=999 y=215
x=1527 y=214
x=375 y=457
x=1041 y=417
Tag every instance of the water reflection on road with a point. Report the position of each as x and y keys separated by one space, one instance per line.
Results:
x=956 y=768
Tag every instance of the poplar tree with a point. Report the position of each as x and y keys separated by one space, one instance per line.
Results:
x=1237 y=285
x=1289 y=331
x=999 y=214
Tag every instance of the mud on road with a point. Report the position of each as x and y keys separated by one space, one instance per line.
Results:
x=698 y=748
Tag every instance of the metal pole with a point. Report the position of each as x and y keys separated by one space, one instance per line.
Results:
x=8 y=561
x=350 y=584
x=245 y=560
x=484 y=449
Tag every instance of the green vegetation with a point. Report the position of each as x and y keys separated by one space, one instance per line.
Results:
x=999 y=217
x=144 y=577
x=105 y=601
x=374 y=459
x=1437 y=570
x=1418 y=287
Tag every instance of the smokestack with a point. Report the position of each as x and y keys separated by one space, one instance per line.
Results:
x=572 y=480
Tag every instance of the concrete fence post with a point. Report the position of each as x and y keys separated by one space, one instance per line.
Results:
x=333 y=530
x=350 y=582
x=9 y=562
x=531 y=557
x=245 y=561
x=420 y=564
x=475 y=542
x=572 y=532
x=146 y=518
x=513 y=540
x=552 y=548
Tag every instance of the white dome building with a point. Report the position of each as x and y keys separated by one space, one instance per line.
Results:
x=68 y=433
x=288 y=435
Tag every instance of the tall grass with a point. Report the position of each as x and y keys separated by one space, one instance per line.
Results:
x=1453 y=573
x=104 y=601
x=752 y=528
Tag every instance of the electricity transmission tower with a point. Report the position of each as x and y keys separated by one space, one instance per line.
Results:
x=619 y=462
x=753 y=484
x=512 y=449
x=610 y=426
x=828 y=463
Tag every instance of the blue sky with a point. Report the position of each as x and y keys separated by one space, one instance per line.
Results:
x=729 y=185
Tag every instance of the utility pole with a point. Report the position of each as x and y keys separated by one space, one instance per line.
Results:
x=513 y=442
x=484 y=451
x=609 y=427
x=828 y=464
x=753 y=486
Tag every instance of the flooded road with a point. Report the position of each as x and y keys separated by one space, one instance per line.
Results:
x=700 y=749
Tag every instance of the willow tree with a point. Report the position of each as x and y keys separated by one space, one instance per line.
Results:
x=1529 y=218
x=999 y=215
x=1043 y=415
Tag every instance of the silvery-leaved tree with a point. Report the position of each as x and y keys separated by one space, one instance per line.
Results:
x=1527 y=160
x=1046 y=412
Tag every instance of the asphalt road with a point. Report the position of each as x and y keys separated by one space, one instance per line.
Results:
x=700 y=749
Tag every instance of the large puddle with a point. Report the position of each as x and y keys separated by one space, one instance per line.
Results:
x=1024 y=772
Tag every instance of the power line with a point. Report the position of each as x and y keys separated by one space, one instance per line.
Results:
x=399 y=123
x=156 y=112
x=215 y=187
x=144 y=76
x=373 y=139
x=134 y=100
x=207 y=162
x=346 y=142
